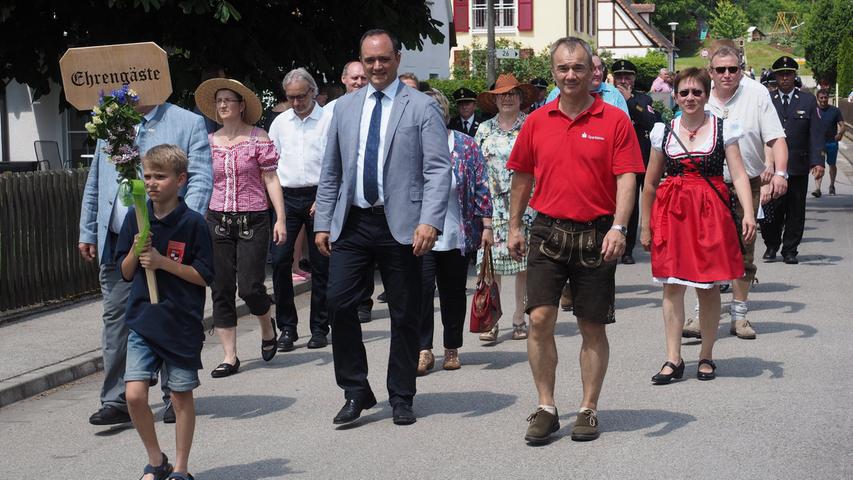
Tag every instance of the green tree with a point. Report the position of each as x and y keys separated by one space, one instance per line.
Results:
x=845 y=66
x=728 y=21
x=525 y=69
x=253 y=40
x=828 y=25
x=685 y=12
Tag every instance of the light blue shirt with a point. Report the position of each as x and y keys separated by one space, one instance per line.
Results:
x=366 y=111
x=608 y=92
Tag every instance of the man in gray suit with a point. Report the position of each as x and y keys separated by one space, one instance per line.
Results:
x=382 y=198
x=101 y=217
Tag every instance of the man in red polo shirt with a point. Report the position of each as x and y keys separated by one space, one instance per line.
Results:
x=583 y=155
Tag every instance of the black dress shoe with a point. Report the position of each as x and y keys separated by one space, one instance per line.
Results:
x=403 y=415
x=317 y=341
x=790 y=259
x=382 y=298
x=352 y=410
x=628 y=259
x=285 y=341
x=364 y=316
x=769 y=254
x=169 y=413
x=707 y=376
x=665 y=378
x=109 y=415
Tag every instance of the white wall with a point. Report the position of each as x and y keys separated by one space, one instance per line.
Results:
x=433 y=59
x=30 y=121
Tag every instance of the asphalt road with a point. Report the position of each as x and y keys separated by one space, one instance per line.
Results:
x=779 y=409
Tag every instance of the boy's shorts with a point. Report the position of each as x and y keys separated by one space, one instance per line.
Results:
x=143 y=364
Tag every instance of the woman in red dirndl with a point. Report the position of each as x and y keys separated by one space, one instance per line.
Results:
x=687 y=225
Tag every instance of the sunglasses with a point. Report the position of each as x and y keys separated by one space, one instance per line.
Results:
x=722 y=70
x=695 y=91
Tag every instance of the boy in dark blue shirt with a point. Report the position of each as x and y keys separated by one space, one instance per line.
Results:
x=167 y=335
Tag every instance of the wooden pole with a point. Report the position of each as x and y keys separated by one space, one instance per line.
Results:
x=149 y=274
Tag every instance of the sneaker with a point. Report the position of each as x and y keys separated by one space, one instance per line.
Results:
x=566 y=300
x=519 y=332
x=586 y=426
x=451 y=359
x=541 y=425
x=426 y=361
x=691 y=329
x=742 y=329
x=169 y=413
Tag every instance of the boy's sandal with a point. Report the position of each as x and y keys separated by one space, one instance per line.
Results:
x=180 y=476
x=160 y=472
x=225 y=369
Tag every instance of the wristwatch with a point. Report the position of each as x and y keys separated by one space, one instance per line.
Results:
x=621 y=229
x=781 y=174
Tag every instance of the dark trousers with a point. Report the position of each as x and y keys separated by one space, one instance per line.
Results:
x=240 y=243
x=790 y=216
x=634 y=221
x=450 y=271
x=366 y=239
x=297 y=208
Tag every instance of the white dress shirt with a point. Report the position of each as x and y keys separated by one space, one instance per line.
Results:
x=752 y=109
x=301 y=144
x=467 y=122
x=449 y=238
x=366 y=111
x=119 y=209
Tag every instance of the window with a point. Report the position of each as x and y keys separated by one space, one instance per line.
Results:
x=80 y=146
x=504 y=14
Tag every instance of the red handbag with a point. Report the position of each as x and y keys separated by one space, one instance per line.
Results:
x=486 y=304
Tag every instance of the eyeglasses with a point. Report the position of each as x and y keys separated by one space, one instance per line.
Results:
x=228 y=101
x=510 y=94
x=695 y=91
x=294 y=98
x=730 y=69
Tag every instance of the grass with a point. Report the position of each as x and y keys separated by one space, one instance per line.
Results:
x=758 y=54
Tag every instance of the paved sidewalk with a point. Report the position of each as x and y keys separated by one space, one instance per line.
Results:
x=56 y=347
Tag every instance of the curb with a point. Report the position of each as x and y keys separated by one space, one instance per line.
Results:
x=41 y=379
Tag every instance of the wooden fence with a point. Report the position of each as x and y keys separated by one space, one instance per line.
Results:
x=39 y=218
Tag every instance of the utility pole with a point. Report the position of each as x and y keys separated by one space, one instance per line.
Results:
x=490 y=42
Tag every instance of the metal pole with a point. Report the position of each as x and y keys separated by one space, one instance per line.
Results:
x=490 y=42
x=672 y=56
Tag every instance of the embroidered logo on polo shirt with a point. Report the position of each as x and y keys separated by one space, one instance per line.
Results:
x=591 y=137
x=175 y=251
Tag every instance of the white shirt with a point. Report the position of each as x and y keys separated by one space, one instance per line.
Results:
x=731 y=134
x=366 y=111
x=449 y=238
x=467 y=122
x=301 y=144
x=119 y=209
x=752 y=109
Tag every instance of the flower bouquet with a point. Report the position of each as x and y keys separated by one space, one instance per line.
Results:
x=114 y=120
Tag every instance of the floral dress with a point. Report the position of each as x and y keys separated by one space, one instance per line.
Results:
x=496 y=145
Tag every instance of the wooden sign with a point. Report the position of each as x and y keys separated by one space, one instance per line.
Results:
x=88 y=71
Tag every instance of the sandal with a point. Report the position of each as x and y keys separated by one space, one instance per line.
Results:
x=160 y=472
x=269 y=347
x=225 y=369
x=491 y=335
x=519 y=332
x=180 y=476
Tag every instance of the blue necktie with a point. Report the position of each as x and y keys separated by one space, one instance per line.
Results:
x=371 y=152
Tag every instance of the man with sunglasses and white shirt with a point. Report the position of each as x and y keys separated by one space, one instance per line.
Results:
x=746 y=101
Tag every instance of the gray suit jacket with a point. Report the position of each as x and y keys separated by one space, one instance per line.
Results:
x=416 y=176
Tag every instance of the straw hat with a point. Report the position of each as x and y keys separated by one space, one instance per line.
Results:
x=506 y=82
x=205 y=95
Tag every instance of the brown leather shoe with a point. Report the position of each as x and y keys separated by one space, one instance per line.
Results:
x=425 y=362
x=691 y=329
x=451 y=359
x=566 y=300
x=742 y=329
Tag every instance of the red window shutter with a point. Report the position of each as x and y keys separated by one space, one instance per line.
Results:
x=525 y=15
x=460 y=15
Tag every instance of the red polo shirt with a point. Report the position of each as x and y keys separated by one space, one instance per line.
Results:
x=575 y=162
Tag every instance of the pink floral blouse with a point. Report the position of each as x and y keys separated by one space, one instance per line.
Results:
x=238 y=184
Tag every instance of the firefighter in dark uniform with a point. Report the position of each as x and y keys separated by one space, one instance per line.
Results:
x=467 y=120
x=797 y=109
x=643 y=116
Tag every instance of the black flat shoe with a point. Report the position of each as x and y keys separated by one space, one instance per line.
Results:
x=665 y=378
x=352 y=410
x=403 y=415
x=109 y=415
x=269 y=347
x=225 y=369
x=706 y=376
x=769 y=254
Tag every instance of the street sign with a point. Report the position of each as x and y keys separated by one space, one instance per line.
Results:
x=88 y=71
x=506 y=53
